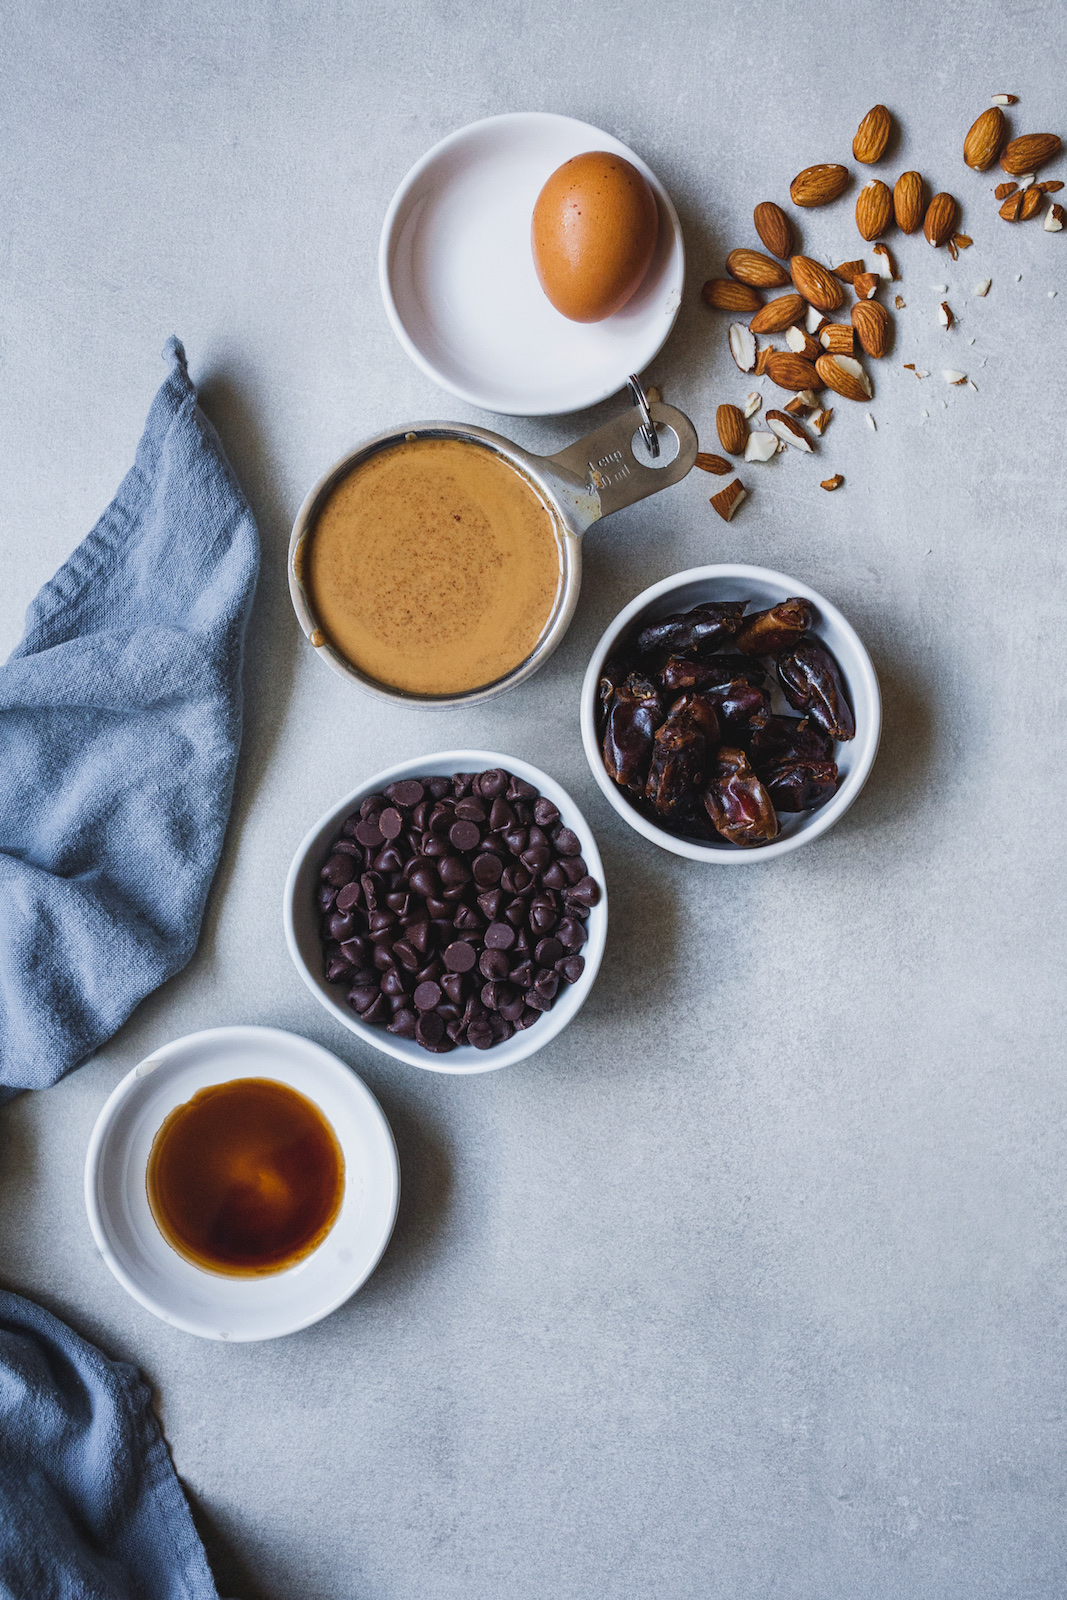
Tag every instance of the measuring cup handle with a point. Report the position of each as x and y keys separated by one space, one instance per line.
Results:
x=602 y=472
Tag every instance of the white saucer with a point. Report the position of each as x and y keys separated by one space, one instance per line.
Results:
x=163 y=1281
x=458 y=279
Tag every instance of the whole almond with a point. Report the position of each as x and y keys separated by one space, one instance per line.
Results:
x=1028 y=152
x=714 y=464
x=872 y=135
x=789 y=371
x=908 y=201
x=1012 y=206
x=845 y=376
x=732 y=429
x=874 y=208
x=848 y=271
x=756 y=269
x=818 y=286
x=1032 y=198
x=723 y=294
x=817 y=186
x=984 y=139
x=778 y=314
x=940 y=219
x=872 y=325
x=837 y=337
x=774 y=228
x=865 y=284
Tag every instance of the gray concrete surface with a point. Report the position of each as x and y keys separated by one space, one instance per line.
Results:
x=753 y=1284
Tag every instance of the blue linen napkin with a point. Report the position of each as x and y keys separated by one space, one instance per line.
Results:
x=120 y=722
x=90 y=1506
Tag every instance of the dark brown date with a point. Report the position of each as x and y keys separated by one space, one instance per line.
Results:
x=800 y=785
x=737 y=802
x=683 y=672
x=679 y=760
x=811 y=681
x=634 y=714
x=700 y=711
x=765 y=633
x=741 y=704
x=788 y=739
x=693 y=632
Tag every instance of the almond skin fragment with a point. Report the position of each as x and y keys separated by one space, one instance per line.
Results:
x=1028 y=152
x=724 y=294
x=756 y=269
x=1053 y=187
x=774 y=228
x=792 y=372
x=908 y=205
x=832 y=483
x=732 y=429
x=715 y=464
x=1003 y=190
x=885 y=255
x=821 y=420
x=818 y=286
x=874 y=208
x=845 y=376
x=778 y=314
x=848 y=271
x=727 y=500
x=872 y=135
x=940 y=219
x=984 y=139
x=872 y=324
x=819 y=185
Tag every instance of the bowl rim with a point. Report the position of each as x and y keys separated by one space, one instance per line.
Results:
x=818 y=821
x=521 y=1045
x=582 y=400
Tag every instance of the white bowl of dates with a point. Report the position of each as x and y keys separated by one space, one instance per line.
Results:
x=450 y=911
x=730 y=714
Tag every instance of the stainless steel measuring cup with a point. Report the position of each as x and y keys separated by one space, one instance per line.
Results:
x=588 y=480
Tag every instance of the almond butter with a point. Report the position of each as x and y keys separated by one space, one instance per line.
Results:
x=1012 y=206
x=818 y=286
x=874 y=208
x=818 y=185
x=732 y=429
x=1028 y=152
x=791 y=371
x=845 y=376
x=716 y=464
x=908 y=201
x=872 y=136
x=788 y=429
x=872 y=324
x=865 y=285
x=724 y=294
x=1032 y=199
x=838 y=338
x=1003 y=190
x=848 y=271
x=727 y=500
x=984 y=139
x=756 y=269
x=832 y=483
x=940 y=219
x=774 y=228
x=778 y=314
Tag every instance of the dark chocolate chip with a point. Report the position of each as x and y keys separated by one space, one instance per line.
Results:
x=493 y=964
x=349 y=896
x=339 y=870
x=470 y=810
x=404 y=1023
x=548 y=952
x=545 y=813
x=492 y=785
x=465 y=835
x=342 y=925
x=426 y=996
x=460 y=955
x=368 y=833
x=487 y=870
x=501 y=815
x=408 y=792
x=499 y=936
x=571 y=968
x=452 y=983
x=490 y=902
x=430 y=1029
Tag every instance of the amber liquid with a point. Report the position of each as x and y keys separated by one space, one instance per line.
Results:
x=246 y=1178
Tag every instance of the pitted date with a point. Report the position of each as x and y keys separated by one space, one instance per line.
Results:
x=679 y=759
x=765 y=633
x=800 y=785
x=685 y=672
x=693 y=632
x=737 y=802
x=634 y=713
x=811 y=682
x=789 y=739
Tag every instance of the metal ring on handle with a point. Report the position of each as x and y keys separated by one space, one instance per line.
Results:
x=648 y=427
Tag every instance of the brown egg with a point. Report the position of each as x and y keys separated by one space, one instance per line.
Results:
x=594 y=233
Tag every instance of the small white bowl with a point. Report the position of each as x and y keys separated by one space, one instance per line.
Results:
x=302 y=917
x=459 y=285
x=762 y=588
x=206 y=1303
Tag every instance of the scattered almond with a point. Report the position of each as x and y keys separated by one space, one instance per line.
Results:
x=774 y=228
x=885 y=266
x=908 y=201
x=1054 y=219
x=872 y=136
x=1005 y=99
x=848 y=271
x=865 y=285
x=818 y=185
x=762 y=359
x=845 y=376
x=818 y=286
x=789 y=431
x=872 y=324
x=983 y=288
x=797 y=407
x=800 y=342
x=839 y=338
x=951 y=376
x=940 y=219
x=1028 y=152
x=821 y=420
x=732 y=429
x=1012 y=206
x=874 y=208
x=900 y=302
x=944 y=315
x=832 y=483
x=871 y=423
x=1052 y=187
x=778 y=314
x=1031 y=203
x=984 y=139
x=716 y=464
x=753 y=403
x=756 y=269
x=791 y=371
x=725 y=294
x=742 y=346
x=727 y=500
x=761 y=446
x=962 y=241
x=1003 y=190
x=813 y=320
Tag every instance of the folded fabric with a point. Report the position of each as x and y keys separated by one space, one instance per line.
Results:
x=90 y=1506
x=120 y=721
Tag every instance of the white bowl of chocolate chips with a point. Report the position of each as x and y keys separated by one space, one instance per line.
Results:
x=730 y=714
x=451 y=911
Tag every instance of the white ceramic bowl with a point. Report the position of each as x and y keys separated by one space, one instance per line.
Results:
x=302 y=917
x=459 y=285
x=205 y=1303
x=762 y=588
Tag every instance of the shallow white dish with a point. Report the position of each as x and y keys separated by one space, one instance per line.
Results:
x=212 y=1306
x=302 y=917
x=762 y=588
x=458 y=280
